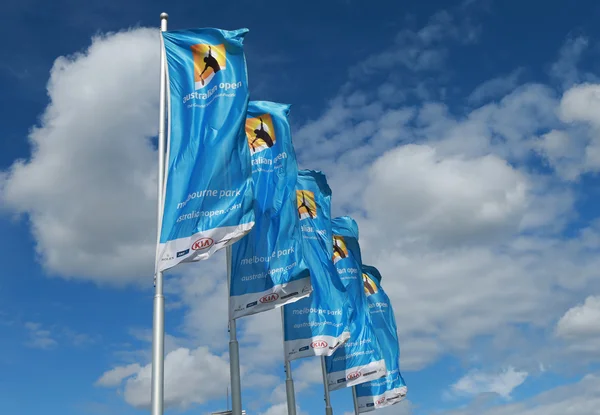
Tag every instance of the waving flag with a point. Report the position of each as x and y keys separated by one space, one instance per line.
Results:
x=268 y=268
x=391 y=389
x=360 y=359
x=208 y=194
x=317 y=325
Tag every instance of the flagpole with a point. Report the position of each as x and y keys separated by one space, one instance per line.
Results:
x=328 y=410
x=289 y=381
x=158 y=318
x=355 y=400
x=234 y=351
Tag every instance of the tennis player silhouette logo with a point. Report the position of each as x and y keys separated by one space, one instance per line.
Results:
x=260 y=133
x=340 y=251
x=306 y=205
x=208 y=61
x=369 y=284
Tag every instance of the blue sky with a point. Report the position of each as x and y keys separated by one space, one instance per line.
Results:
x=462 y=136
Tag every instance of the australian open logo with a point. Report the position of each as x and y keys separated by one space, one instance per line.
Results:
x=340 y=251
x=260 y=133
x=208 y=61
x=307 y=208
x=369 y=285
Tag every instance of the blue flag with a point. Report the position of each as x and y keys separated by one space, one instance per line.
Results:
x=208 y=192
x=317 y=325
x=391 y=389
x=359 y=360
x=268 y=268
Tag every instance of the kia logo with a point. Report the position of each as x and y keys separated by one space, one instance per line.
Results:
x=354 y=375
x=269 y=298
x=380 y=401
x=319 y=344
x=202 y=243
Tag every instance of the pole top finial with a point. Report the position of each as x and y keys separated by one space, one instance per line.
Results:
x=164 y=16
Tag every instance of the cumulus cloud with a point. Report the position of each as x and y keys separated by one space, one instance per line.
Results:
x=191 y=377
x=503 y=383
x=579 y=331
x=581 y=103
x=574 y=149
x=404 y=407
x=581 y=398
x=89 y=186
x=581 y=321
x=445 y=199
x=281 y=409
x=115 y=376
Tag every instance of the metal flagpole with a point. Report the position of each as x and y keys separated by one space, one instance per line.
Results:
x=355 y=399
x=158 y=320
x=328 y=410
x=289 y=381
x=234 y=351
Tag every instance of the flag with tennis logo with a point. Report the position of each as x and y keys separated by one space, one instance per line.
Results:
x=208 y=202
x=267 y=265
x=391 y=389
x=360 y=359
x=318 y=324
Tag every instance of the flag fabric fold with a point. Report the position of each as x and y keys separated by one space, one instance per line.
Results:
x=268 y=267
x=317 y=325
x=391 y=389
x=208 y=197
x=360 y=359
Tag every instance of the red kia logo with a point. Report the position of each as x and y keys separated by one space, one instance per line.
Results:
x=354 y=375
x=380 y=401
x=202 y=243
x=269 y=298
x=319 y=344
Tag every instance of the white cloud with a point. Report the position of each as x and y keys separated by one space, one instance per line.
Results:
x=202 y=289
x=404 y=407
x=445 y=199
x=503 y=383
x=445 y=297
x=456 y=217
x=563 y=152
x=261 y=336
x=115 y=376
x=581 y=321
x=281 y=409
x=39 y=338
x=581 y=398
x=424 y=49
x=575 y=149
x=578 y=329
x=89 y=186
x=309 y=371
x=191 y=377
x=496 y=87
x=565 y=68
x=581 y=103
